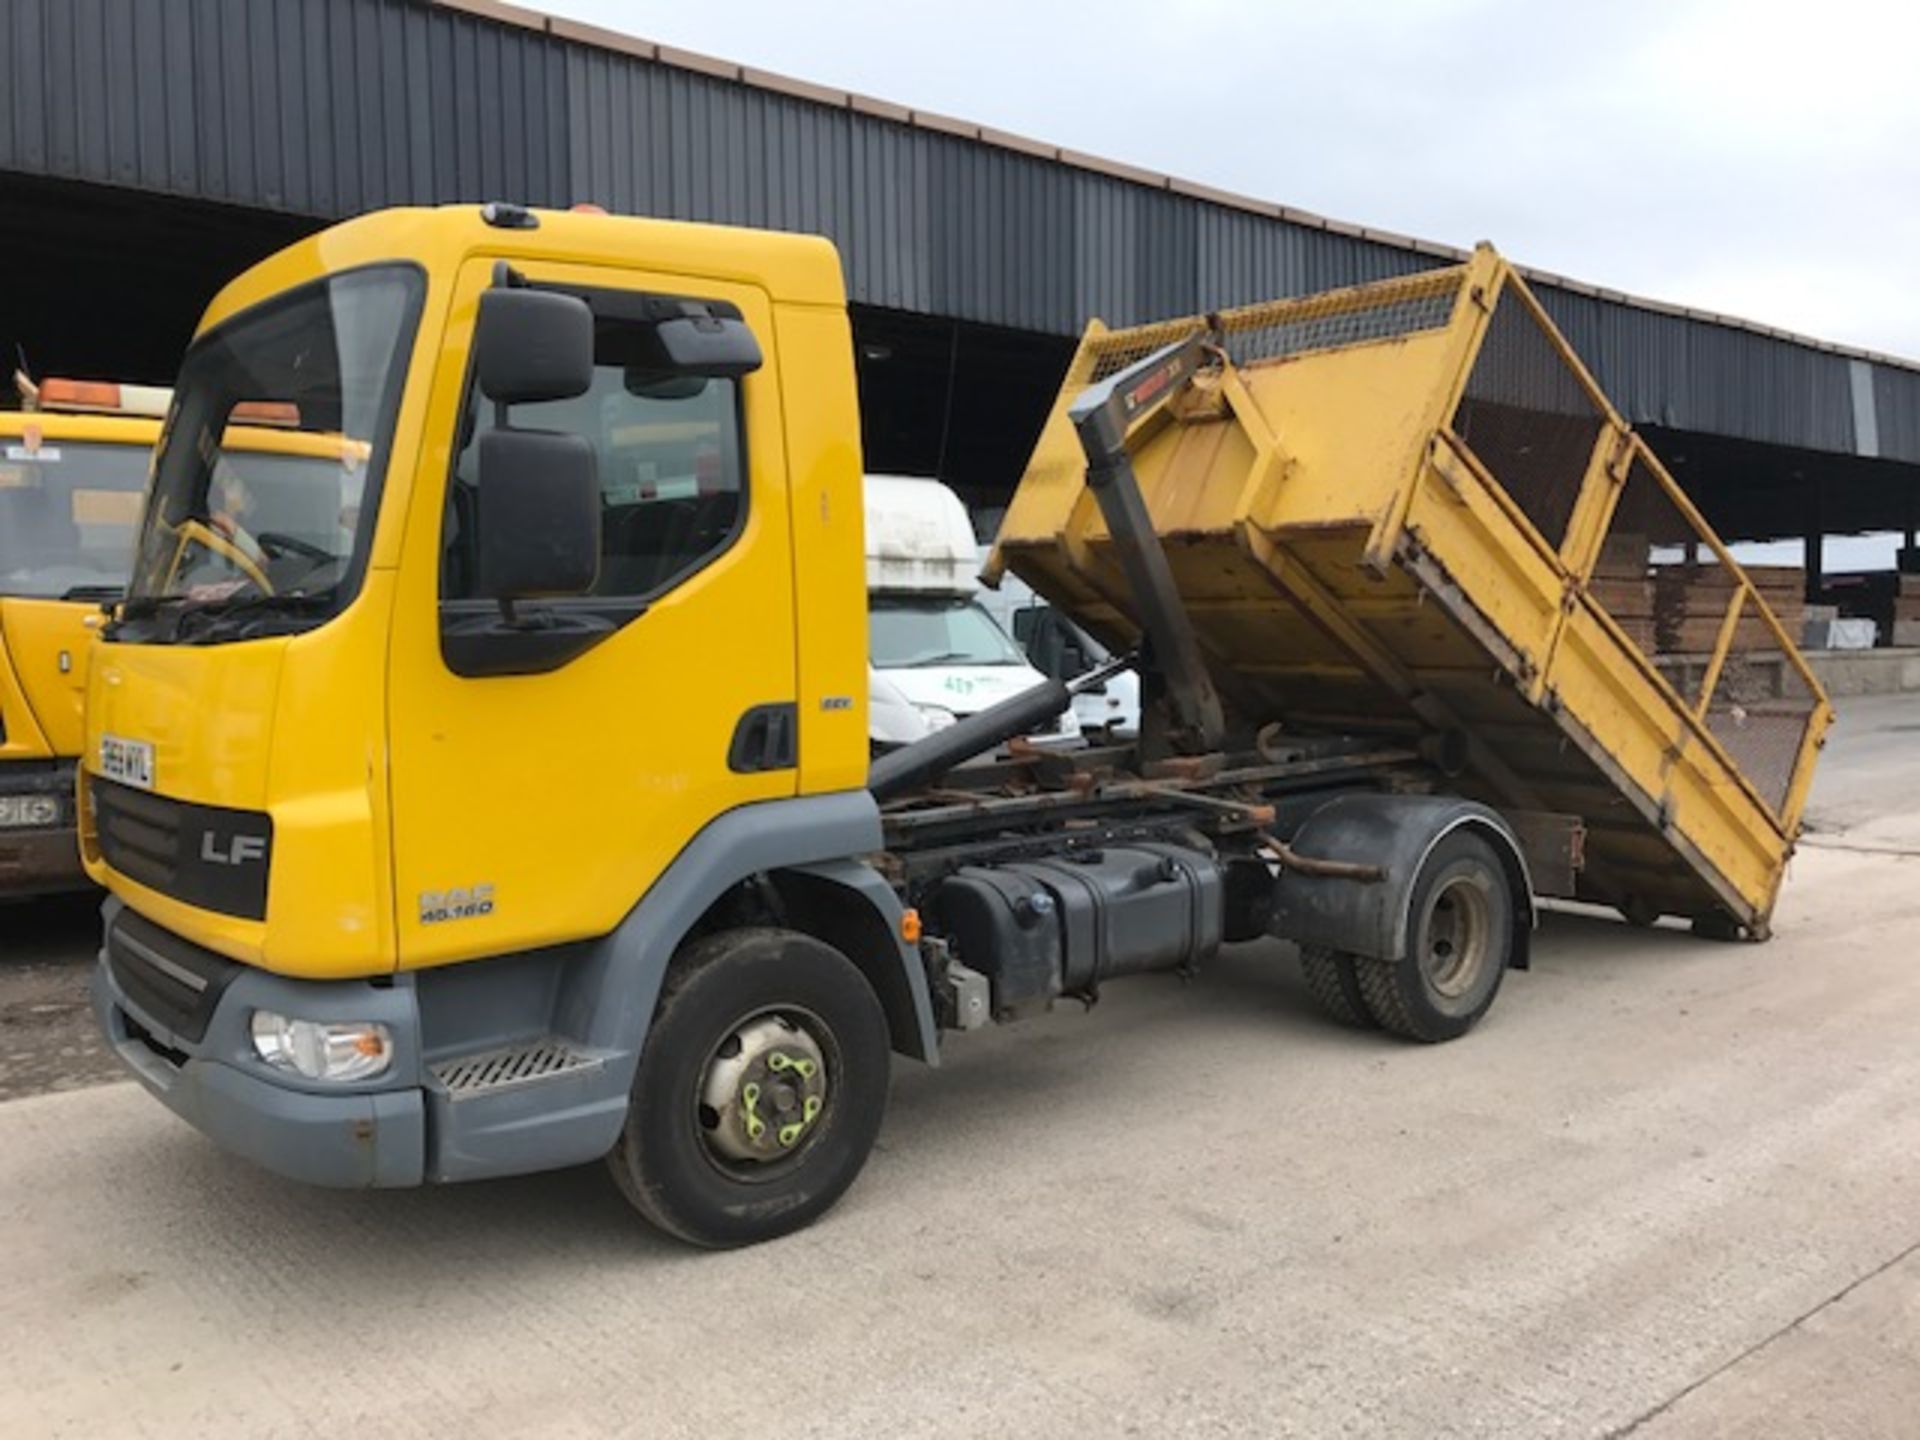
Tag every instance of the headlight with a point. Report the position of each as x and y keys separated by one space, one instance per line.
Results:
x=20 y=812
x=322 y=1052
x=938 y=717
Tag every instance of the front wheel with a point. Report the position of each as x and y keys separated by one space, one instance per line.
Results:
x=1459 y=940
x=760 y=1091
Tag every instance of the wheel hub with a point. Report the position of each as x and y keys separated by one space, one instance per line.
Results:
x=764 y=1091
x=1455 y=938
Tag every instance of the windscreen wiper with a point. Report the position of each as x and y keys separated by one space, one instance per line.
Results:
x=217 y=619
x=140 y=607
x=105 y=594
x=952 y=657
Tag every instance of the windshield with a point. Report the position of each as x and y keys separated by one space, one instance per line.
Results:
x=905 y=631
x=67 y=516
x=253 y=530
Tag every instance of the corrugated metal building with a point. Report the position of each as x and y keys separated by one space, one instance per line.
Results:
x=150 y=147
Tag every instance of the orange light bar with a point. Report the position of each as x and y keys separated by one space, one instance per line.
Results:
x=80 y=394
x=102 y=397
x=266 y=412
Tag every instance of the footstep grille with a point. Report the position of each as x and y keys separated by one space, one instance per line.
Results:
x=515 y=1065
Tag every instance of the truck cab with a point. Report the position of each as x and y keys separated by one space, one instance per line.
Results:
x=406 y=796
x=938 y=654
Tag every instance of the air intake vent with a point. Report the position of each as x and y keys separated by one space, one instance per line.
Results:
x=168 y=981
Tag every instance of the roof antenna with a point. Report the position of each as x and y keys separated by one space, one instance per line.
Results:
x=23 y=380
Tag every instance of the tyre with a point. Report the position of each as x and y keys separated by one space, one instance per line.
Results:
x=1639 y=912
x=1459 y=937
x=760 y=1090
x=1332 y=981
x=1718 y=925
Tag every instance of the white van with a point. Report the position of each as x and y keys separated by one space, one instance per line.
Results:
x=1058 y=648
x=935 y=653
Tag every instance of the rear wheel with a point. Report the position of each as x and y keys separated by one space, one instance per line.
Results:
x=1459 y=937
x=1639 y=912
x=1719 y=925
x=760 y=1091
x=1333 y=982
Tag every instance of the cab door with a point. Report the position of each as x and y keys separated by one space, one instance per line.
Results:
x=48 y=643
x=532 y=809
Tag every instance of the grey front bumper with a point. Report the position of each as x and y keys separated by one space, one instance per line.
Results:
x=347 y=1136
x=41 y=862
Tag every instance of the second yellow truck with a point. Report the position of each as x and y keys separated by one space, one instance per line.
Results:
x=73 y=472
x=503 y=801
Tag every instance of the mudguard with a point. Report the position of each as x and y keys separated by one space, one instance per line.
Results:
x=600 y=996
x=848 y=905
x=1396 y=833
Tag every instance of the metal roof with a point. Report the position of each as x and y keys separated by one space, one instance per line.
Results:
x=331 y=107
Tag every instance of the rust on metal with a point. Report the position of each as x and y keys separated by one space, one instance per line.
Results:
x=1326 y=869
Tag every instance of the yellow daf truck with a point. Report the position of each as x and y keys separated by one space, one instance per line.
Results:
x=506 y=804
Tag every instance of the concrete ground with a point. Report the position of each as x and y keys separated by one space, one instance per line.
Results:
x=1671 y=1188
x=48 y=1040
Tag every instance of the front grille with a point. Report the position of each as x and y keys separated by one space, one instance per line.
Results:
x=139 y=833
x=205 y=855
x=171 y=982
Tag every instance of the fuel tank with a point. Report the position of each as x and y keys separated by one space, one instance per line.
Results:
x=1063 y=925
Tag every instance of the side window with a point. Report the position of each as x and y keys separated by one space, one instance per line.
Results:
x=671 y=459
x=1054 y=644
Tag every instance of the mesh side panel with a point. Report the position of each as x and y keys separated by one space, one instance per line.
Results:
x=1251 y=339
x=1668 y=590
x=1760 y=711
x=1113 y=354
x=1668 y=595
x=1528 y=419
x=1272 y=331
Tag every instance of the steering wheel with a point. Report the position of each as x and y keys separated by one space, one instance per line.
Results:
x=276 y=544
x=195 y=532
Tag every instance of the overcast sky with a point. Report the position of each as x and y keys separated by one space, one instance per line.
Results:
x=1757 y=158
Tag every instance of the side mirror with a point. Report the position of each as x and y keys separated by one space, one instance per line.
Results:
x=720 y=347
x=533 y=345
x=537 y=514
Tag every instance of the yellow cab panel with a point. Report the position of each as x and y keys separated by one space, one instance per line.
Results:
x=236 y=745
x=46 y=644
x=70 y=488
x=532 y=809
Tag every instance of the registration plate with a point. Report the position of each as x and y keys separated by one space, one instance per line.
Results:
x=128 y=761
